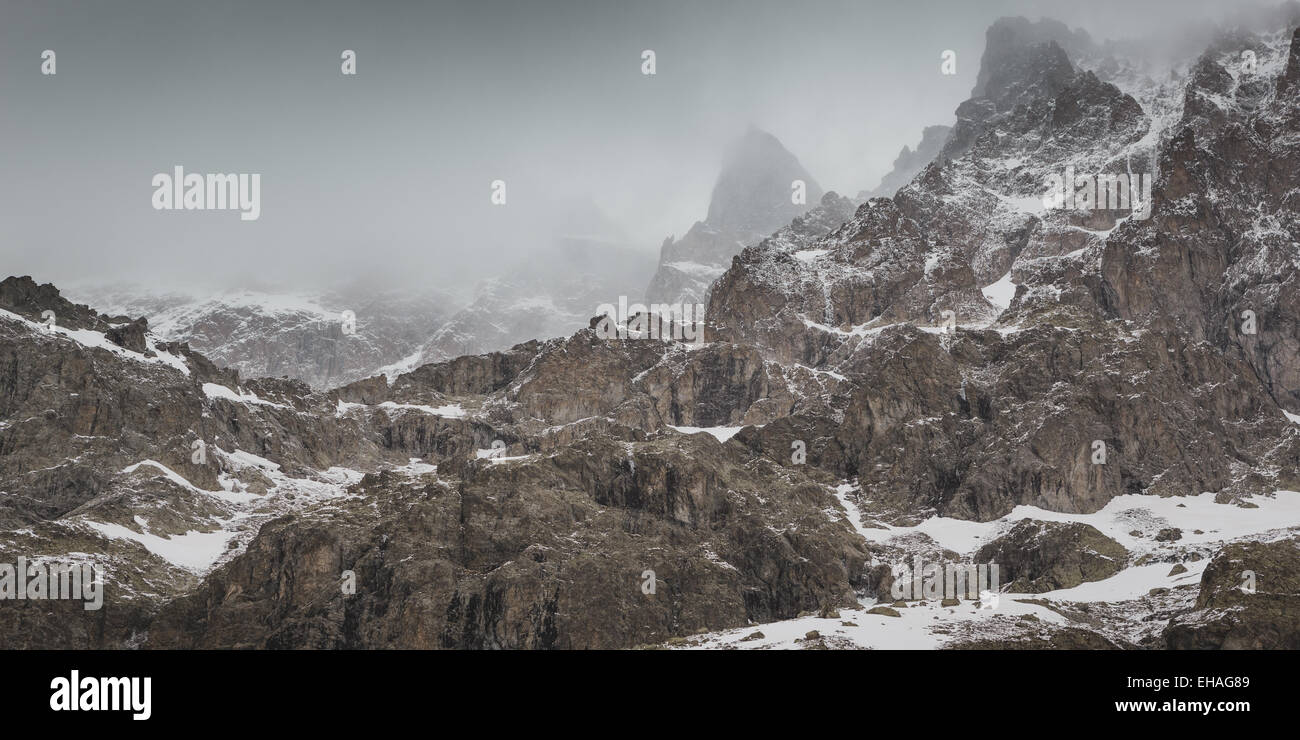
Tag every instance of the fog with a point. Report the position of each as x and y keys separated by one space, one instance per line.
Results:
x=387 y=174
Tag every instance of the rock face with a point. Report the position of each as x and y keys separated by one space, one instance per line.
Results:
x=1043 y=556
x=1249 y=600
x=954 y=420
x=438 y=570
x=958 y=350
x=752 y=197
x=576 y=501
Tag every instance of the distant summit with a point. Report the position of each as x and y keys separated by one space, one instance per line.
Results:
x=752 y=194
x=909 y=162
x=751 y=199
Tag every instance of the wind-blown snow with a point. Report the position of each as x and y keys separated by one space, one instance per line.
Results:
x=401 y=367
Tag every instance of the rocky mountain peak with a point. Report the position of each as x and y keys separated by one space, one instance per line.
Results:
x=1027 y=72
x=1009 y=46
x=752 y=193
x=751 y=199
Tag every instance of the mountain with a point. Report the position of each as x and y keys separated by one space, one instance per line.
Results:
x=909 y=162
x=586 y=261
x=307 y=336
x=751 y=198
x=1103 y=403
x=1099 y=356
x=555 y=291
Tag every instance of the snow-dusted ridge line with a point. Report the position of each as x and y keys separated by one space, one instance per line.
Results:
x=92 y=339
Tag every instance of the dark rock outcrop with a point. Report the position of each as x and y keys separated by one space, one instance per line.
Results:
x=1040 y=556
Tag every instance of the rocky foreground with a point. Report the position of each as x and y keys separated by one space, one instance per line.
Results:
x=1106 y=403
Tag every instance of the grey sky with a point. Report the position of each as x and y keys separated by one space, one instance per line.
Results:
x=387 y=173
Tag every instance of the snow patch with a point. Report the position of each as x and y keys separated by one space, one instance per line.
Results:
x=1001 y=292
x=722 y=433
x=194 y=551
x=215 y=390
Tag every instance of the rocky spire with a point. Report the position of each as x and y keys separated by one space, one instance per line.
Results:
x=751 y=199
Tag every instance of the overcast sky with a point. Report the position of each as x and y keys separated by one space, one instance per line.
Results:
x=388 y=172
